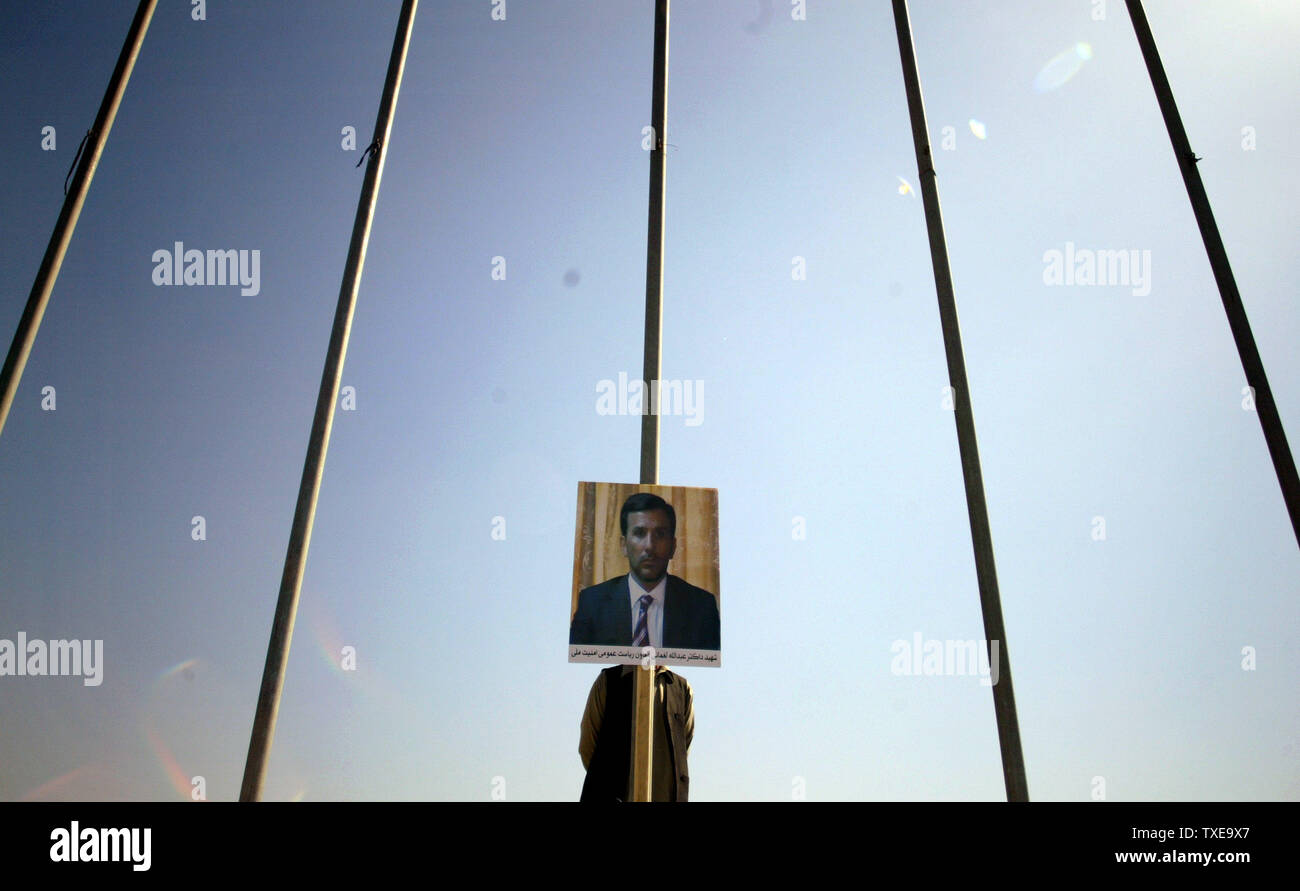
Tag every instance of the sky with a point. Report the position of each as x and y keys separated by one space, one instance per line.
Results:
x=1147 y=566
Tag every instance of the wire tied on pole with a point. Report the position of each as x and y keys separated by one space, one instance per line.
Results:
x=75 y=159
x=372 y=149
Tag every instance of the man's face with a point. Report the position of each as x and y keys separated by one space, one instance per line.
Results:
x=648 y=545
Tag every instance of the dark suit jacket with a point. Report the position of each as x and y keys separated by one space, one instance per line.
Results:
x=604 y=616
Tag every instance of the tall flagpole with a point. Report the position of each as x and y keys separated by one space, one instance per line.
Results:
x=1004 y=700
x=643 y=711
x=85 y=163
x=286 y=607
x=1265 y=406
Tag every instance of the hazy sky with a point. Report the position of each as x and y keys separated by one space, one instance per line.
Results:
x=1116 y=403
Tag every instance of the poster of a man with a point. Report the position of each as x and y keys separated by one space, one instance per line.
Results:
x=626 y=603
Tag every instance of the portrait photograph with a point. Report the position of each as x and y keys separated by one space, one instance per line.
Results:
x=645 y=576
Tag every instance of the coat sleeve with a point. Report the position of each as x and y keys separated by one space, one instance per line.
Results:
x=592 y=717
x=689 y=732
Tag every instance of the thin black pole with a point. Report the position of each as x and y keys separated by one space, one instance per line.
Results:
x=643 y=716
x=1265 y=406
x=286 y=607
x=654 y=266
x=1004 y=700
x=89 y=153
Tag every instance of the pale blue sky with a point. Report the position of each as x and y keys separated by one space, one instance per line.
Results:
x=822 y=398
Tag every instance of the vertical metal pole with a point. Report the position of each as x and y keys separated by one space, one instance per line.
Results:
x=92 y=149
x=286 y=608
x=643 y=714
x=1004 y=701
x=654 y=267
x=643 y=724
x=1265 y=406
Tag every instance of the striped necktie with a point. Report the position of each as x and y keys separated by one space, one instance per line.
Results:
x=641 y=637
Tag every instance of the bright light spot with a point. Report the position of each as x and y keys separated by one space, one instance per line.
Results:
x=1062 y=67
x=904 y=187
x=978 y=129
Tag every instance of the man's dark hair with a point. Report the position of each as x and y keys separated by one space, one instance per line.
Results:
x=645 y=501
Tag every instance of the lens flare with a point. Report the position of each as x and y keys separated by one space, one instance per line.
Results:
x=904 y=187
x=978 y=129
x=363 y=678
x=1063 y=67
x=176 y=776
x=181 y=673
x=329 y=643
x=51 y=790
x=184 y=669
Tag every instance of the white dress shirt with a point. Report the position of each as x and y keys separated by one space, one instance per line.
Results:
x=655 y=615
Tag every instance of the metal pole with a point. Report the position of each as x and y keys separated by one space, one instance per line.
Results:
x=643 y=714
x=654 y=268
x=1265 y=406
x=1004 y=701
x=91 y=150
x=286 y=608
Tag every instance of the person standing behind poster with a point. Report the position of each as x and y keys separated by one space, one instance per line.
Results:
x=605 y=743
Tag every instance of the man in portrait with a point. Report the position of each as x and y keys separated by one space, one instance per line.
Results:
x=647 y=606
